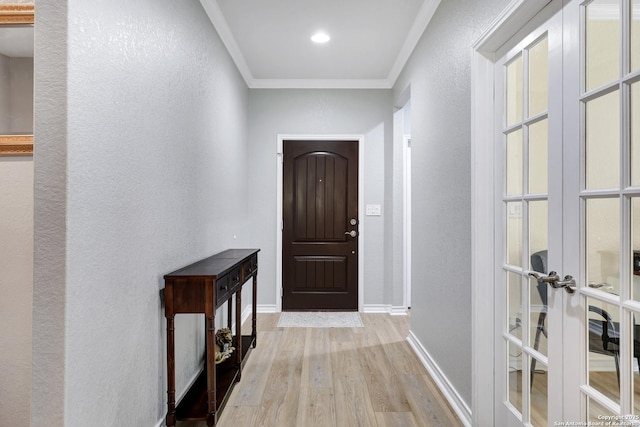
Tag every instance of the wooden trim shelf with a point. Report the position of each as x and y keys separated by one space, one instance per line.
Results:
x=203 y=287
x=16 y=145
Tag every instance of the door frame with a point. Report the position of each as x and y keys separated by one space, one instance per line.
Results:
x=279 y=211
x=484 y=342
x=406 y=190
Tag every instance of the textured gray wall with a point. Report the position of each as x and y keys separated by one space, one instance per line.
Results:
x=439 y=75
x=304 y=112
x=49 y=269
x=140 y=163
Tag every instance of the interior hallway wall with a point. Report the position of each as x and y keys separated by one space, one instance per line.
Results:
x=439 y=73
x=140 y=162
x=315 y=112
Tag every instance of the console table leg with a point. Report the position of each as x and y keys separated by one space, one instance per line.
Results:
x=171 y=374
x=211 y=371
x=239 y=333
x=254 y=303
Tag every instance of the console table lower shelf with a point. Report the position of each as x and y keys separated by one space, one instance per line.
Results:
x=193 y=406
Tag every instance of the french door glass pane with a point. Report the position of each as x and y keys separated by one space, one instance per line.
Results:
x=603 y=329
x=538 y=227
x=514 y=233
x=635 y=35
x=539 y=394
x=602 y=43
x=603 y=141
x=538 y=77
x=538 y=157
x=515 y=375
x=635 y=133
x=514 y=91
x=603 y=243
x=514 y=163
x=539 y=322
x=514 y=292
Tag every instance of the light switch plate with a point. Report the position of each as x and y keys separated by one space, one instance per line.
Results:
x=373 y=210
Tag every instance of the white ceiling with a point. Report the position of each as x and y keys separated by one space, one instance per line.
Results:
x=269 y=40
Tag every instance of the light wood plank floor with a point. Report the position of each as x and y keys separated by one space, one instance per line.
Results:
x=351 y=377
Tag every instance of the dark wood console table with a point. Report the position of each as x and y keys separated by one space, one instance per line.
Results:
x=203 y=287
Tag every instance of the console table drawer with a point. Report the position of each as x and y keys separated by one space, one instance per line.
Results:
x=227 y=285
x=249 y=267
x=222 y=289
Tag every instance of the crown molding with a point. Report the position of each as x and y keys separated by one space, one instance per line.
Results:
x=320 y=84
x=220 y=24
x=507 y=22
x=426 y=12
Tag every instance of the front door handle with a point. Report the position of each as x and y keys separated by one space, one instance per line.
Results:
x=352 y=233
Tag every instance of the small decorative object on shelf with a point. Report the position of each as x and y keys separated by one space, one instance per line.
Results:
x=224 y=337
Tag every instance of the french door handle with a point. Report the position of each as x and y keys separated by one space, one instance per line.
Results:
x=552 y=277
x=569 y=283
x=352 y=233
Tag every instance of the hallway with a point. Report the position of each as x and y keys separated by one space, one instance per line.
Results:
x=335 y=377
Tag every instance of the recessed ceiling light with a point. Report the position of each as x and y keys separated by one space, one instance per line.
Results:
x=320 y=37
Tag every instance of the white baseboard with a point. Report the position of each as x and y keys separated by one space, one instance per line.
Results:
x=453 y=397
x=267 y=308
x=376 y=308
x=398 y=311
x=369 y=308
x=385 y=308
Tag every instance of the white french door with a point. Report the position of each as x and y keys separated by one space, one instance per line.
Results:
x=568 y=217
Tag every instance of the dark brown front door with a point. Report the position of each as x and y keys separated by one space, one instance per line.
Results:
x=320 y=205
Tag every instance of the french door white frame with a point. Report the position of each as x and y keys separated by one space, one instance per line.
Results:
x=406 y=146
x=510 y=21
